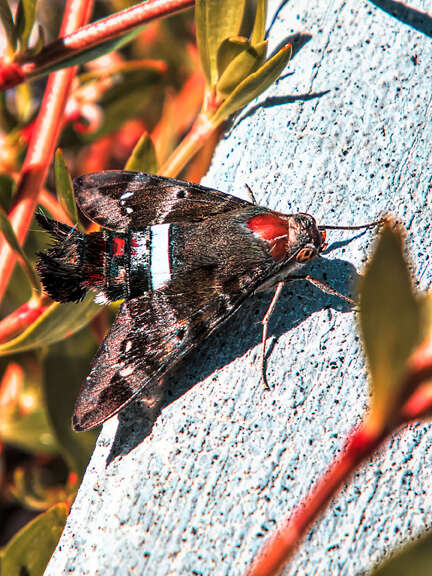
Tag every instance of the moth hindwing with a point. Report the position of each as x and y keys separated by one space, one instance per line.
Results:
x=182 y=257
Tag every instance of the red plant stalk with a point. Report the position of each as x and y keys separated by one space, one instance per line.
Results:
x=72 y=42
x=282 y=544
x=360 y=445
x=20 y=319
x=42 y=144
x=201 y=130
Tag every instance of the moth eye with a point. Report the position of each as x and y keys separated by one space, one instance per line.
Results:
x=305 y=254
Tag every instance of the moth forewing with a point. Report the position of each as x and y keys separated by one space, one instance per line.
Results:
x=183 y=257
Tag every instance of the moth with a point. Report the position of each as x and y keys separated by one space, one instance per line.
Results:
x=183 y=258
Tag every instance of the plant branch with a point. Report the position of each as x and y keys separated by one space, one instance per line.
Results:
x=282 y=544
x=199 y=133
x=75 y=42
x=41 y=146
x=21 y=318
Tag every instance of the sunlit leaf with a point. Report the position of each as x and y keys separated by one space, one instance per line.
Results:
x=8 y=24
x=253 y=85
x=258 y=32
x=31 y=548
x=9 y=234
x=143 y=157
x=215 y=21
x=64 y=186
x=24 y=103
x=390 y=322
x=55 y=324
x=25 y=18
x=229 y=50
x=413 y=560
x=246 y=63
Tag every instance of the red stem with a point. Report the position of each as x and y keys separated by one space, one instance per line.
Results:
x=20 y=319
x=282 y=544
x=42 y=143
x=74 y=42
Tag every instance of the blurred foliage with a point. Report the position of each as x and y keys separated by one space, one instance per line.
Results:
x=133 y=101
x=412 y=560
x=391 y=323
x=136 y=99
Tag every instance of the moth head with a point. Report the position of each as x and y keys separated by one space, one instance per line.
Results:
x=290 y=238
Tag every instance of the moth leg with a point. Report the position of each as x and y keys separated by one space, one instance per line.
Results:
x=265 y=322
x=324 y=288
x=251 y=194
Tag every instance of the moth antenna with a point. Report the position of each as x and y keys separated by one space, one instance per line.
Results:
x=379 y=222
x=251 y=194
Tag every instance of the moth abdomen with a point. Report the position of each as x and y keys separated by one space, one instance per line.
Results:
x=73 y=264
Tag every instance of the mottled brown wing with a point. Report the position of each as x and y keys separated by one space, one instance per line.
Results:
x=122 y=200
x=150 y=334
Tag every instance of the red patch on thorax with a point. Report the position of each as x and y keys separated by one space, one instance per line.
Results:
x=118 y=245
x=275 y=230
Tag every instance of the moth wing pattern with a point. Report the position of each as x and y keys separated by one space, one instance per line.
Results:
x=149 y=336
x=124 y=200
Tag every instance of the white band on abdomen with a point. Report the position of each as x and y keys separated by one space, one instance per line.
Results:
x=160 y=267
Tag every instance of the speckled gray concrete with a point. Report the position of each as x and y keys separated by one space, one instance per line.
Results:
x=346 y=135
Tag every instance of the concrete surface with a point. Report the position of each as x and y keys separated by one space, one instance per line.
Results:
x=345 y=135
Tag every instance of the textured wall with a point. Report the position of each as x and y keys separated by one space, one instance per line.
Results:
x=345 y=135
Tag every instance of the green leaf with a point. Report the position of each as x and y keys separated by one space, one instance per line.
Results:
x=253 y=85
x=8 y=24
x=24 y=103
x=245 y=64
x=67 y=364
x=413 y=560
x=64 y=186
x=229 y=50
x=390 y=322
x=215 y=20
x=6 y=228
x=25 y=18
x=258 y=32
x=143 y=157
x=58 y=322
x=31 y=548
x=7 y=189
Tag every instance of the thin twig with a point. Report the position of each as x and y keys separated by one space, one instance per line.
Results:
x=282 y=544
x=41 y=146
x=74 y=42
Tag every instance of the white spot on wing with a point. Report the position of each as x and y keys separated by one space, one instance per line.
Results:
x=125 y=372
x=126 y=195
x=160 y=258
